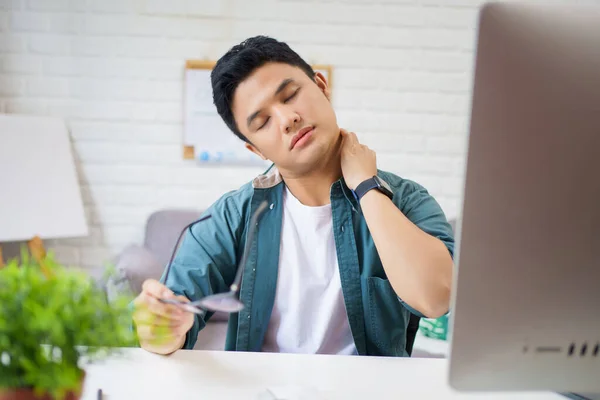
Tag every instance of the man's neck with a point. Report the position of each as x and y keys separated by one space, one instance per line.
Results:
x=313 y=189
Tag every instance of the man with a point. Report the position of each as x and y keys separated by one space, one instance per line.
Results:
x=344 y=253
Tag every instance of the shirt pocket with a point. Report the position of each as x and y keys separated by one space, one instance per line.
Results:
x=387 y=320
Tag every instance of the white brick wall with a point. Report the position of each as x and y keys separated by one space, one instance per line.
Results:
x=113 y=69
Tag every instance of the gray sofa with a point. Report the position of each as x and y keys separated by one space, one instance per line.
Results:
x=147 y=261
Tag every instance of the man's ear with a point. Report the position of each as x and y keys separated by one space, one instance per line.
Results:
x=321 y=82
x=255 y=151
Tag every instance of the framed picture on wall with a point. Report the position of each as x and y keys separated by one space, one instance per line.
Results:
x=206 y=138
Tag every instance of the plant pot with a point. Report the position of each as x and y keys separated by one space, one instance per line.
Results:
x=28 y=394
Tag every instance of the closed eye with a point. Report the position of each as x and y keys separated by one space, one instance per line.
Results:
x=287 y=99
x=292 y=96
x=264 y=124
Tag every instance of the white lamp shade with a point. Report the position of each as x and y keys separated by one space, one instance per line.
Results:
x=39 y=190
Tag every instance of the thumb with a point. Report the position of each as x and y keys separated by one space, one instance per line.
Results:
x=343 y=137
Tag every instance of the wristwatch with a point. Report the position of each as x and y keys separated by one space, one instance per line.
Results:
x=372 y=183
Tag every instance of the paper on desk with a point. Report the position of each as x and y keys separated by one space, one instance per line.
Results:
x=289 y=393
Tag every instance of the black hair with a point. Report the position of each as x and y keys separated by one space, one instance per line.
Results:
x=239 y=62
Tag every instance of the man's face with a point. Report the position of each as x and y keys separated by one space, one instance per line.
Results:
x=287 y=117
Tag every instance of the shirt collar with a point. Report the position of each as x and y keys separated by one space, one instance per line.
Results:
x=272 y=177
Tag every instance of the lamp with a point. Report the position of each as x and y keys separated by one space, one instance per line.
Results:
x=39 y=192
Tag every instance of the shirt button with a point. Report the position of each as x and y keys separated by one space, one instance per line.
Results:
x=342 y=228
x=272 y=205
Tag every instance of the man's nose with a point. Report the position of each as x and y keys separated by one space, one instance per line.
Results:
x=289 y=120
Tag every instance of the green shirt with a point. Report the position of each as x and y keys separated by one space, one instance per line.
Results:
x=207 y=259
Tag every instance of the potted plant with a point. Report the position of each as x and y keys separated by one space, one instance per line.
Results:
x=53 y=319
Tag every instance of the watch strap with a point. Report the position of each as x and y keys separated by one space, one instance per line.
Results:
x=365 y=186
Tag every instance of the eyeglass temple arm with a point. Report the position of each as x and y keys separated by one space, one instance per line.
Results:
x=177 y=244
x=235 y=286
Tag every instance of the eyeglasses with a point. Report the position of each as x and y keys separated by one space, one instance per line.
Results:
x=227 y=302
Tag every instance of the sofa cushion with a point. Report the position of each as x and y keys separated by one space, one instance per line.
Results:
x=163 y=229
x=138 y=264
x=212 y=336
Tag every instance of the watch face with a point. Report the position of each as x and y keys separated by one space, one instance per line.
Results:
x=383 y=185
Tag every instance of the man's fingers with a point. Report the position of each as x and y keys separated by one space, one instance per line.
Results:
x=346 y=135
x=343 y=135
x=158 y=323
x=158 y=308
x=152 y=332
x=156 y=289
x=139 y=301
x=168 y=333
x=182 y=298
x=350 y=138
x=346 y=139
x=169 y=311
x=353 y=137
x=145 y=317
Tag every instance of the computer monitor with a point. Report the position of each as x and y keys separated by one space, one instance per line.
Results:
x=526 y=296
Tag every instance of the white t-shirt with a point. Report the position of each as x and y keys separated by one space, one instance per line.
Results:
x=309 y=314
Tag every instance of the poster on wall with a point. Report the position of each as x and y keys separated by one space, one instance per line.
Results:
x=206 y=138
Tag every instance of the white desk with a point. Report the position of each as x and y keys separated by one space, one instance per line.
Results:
x=137 y=374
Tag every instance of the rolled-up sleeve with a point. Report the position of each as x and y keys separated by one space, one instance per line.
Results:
x=423 y=210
